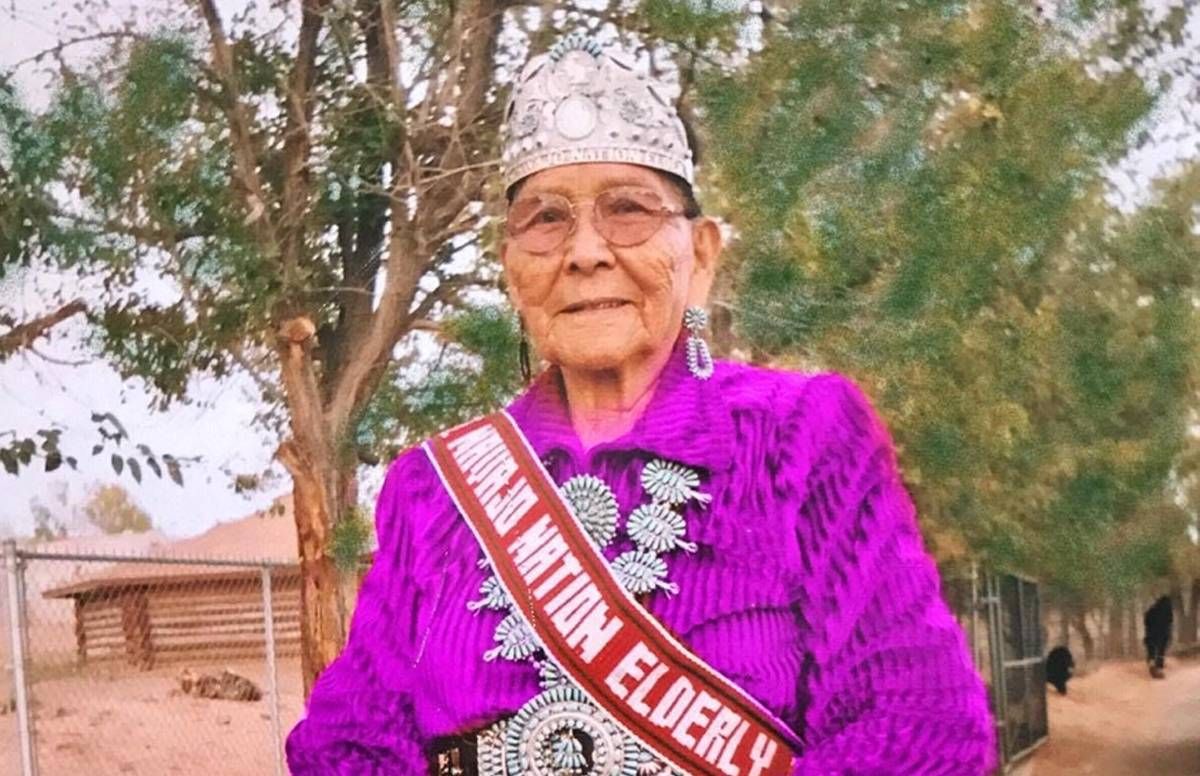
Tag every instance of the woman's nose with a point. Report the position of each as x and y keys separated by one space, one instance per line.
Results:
x=587 y=249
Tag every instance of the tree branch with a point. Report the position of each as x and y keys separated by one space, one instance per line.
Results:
x=472 y=39
x=23 y=335
x=297 y=142
x=245 y=154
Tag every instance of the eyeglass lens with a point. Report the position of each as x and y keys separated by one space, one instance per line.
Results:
x=622 y=216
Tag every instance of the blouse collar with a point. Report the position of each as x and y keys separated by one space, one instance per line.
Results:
x=686 y=419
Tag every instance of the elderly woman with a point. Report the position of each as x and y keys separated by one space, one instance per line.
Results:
x=751 y=595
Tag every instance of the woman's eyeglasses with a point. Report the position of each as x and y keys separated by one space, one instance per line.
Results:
x=624 y=216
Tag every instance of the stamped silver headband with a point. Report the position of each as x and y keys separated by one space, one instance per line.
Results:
x=579 y=103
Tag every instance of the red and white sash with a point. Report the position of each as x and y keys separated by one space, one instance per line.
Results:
x=615 y=651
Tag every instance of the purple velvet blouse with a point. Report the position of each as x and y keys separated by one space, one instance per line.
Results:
x=810 y=588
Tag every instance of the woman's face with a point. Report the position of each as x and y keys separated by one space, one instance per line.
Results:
x=589 y=305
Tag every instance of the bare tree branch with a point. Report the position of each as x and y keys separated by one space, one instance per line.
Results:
x=297 y=141
x=246 y=158
x=471 y=39
x=24 y=334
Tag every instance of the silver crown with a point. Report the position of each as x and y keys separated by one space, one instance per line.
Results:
x=579 y=103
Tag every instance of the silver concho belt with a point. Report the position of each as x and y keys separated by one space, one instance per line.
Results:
x=562 y=733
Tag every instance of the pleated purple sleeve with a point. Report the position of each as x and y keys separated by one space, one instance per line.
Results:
x=360 y=720
x=891 y=689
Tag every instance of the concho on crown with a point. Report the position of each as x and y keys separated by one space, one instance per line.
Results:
x=579 y=103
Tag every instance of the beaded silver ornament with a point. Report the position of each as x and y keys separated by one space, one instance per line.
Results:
x=641 y=572
x=552 y=734
x=515 y=638
x=657 y=528
x=566 y=753
x=669 y=483
x=593 y=502
x=649 y=765
x=494 y=597
x=550 y=675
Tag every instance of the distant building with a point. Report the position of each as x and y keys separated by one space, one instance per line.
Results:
x=148 y=613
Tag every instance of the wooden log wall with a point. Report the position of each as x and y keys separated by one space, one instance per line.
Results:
x=193 y=621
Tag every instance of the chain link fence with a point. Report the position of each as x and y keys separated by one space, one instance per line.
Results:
x=134 y=665
x=1001 y=615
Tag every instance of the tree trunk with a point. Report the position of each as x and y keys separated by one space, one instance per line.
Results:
x=321 y=628
x=1089 y=646
x=1178 y=606
x=323 y=487
x=1116 y=629
x=1188 y=618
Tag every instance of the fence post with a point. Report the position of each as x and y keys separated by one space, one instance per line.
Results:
x=975 y=650
x=13 y=565
x=272 y=678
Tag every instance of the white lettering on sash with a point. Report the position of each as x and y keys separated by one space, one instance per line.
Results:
x=532 y=539
x=470 y=448
x=508 y=509
x=637 y=700
x=713 y=741
x=485 y=466
x=539 y=562
x=632 y=666
x=673 y=703
x=496 y=479
x=567 y=618
x=594 y=633
x=567 y=593
x=483 y=436
x=731 y=749
x=577 y=610
x=568 y=568
x=697 y=714
x=762 y=753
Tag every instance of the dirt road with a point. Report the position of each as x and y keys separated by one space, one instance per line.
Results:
x=1117 y=721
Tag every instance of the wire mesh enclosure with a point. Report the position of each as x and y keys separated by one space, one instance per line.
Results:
x=117 y=665
x=1000 y=613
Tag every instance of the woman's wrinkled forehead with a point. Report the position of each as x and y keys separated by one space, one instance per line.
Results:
x=581 y=181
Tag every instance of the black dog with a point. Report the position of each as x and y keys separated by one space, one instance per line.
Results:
x=1059 y=665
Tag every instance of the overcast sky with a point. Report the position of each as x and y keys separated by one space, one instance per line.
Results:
x=36 y=392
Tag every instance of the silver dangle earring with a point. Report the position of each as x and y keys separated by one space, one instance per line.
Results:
x=699 y=359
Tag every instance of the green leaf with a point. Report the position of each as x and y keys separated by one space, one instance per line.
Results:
x=118 y=463
x=173 y=470
x=135 y=469
x=53 y=461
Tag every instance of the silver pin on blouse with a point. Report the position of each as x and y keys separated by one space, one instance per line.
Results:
x=516 y=640
x=550 y=675
x=642 y=572
x=657 y=528
x=670 y=483
x=494 y=596
x=594 y=504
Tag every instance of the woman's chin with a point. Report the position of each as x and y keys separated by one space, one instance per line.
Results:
x=588 y=358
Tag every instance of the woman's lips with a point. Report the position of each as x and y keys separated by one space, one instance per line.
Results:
x=592 y=305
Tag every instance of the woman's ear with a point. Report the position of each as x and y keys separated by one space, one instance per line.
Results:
x=706 y=250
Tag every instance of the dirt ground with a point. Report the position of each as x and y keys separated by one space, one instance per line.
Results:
x=1117 y=721
x=132 y=722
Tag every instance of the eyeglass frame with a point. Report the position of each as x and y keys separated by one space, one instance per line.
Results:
x=664 y=213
